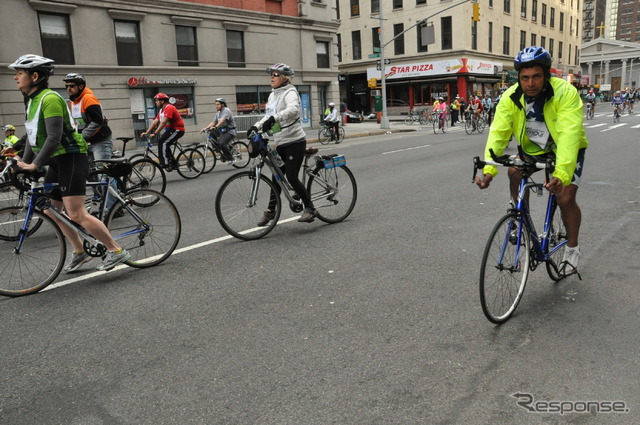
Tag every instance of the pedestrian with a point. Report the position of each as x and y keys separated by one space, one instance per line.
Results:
x=455 y=110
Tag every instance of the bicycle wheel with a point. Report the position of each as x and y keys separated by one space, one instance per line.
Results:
x=422 y=120
x=237 y=213
x=557 y=239
x=480 y=125
x=444 y=125
x=504 y=270
x=240 y=152
x=408 y=120
x=147 y=224
x=209 y=158
x=334 y=193
x=10 y=195
x=468 y=127
x=145 y=174
x=324 y=135
x=435 y=126
x=41 y=256
x=340 y=134
x=191 y=163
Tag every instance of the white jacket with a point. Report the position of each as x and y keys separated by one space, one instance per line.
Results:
x=288 y=109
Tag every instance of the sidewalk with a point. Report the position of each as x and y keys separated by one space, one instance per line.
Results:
x=367 y=128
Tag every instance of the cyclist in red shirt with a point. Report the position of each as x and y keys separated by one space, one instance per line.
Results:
x=168 y=118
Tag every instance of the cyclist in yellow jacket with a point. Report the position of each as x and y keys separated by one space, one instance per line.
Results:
x=544 y=114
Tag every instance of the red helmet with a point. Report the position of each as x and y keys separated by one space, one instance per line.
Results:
x=161 y=96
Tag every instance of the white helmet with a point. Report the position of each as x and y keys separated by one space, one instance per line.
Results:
x=332 y=104
x=34 y=63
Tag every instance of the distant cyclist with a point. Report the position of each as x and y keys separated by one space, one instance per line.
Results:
x=590 y=98
x=333 y=120
x=10 y=137
x=544 y=114
x=169 y=119
x=618 y=102
x=225 y=128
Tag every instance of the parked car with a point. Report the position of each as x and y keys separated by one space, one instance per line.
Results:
x=353 y=116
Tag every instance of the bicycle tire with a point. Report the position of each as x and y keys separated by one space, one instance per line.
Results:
x=334 y=203
x=481 y=124
x=435 y=126
x=341 y=134
x=41 y=257
x=408 y=120
x=209 y=158
x=503 y=277
x=422 y=120
x=240 y=152
x=234 y=210
x=324 y=136
x=557 y=239
x=148 y=246
x=145 y=174
x=468 y=127
x=11 y=195
x=191 y=163
x=445 y=126
x=138 y=156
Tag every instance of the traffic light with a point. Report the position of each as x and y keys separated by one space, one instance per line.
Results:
x=476 y=12
x=373 y=83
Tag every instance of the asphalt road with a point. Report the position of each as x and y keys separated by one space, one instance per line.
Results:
x=375 y=320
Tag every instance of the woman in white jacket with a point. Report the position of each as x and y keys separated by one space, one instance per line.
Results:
x=282 y=118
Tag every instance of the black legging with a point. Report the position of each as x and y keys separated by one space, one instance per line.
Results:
x=168 y=137
x=292 y=154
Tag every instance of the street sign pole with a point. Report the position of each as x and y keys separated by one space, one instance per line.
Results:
x=384 y=123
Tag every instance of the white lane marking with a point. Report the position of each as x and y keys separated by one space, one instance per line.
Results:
x=177 y=251
x=407 y=149
x=597 y=125
x=614 y=126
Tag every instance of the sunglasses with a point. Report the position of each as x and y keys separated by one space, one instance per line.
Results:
x=67 y=86
x=275 y=74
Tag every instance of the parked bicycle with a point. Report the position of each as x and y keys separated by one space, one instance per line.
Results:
x=515 y=247
x=420 y=117
x=212 y=152
x=475 y=123
x=33 y=249
x=243 y=197
x=189 y=162
x=325 y=134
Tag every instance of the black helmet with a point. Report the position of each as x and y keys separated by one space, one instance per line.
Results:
x=532 y=56
x=282 y=68
x=221 y=100
x=74 y=77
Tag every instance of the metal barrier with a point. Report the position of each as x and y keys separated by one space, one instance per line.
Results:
x=244 y=122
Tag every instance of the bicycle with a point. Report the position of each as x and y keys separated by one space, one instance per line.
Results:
x=243 y=197
x=616 y=113
x=440 y=123
x=589 y=111
x=514 y=248
x=212 y=152
x=476 y=123
x=145 y=173
x=420 y=117
x=189 y=162
x=325 y=134
x=33 y=249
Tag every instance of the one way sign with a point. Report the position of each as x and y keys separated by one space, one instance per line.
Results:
x=386 y=62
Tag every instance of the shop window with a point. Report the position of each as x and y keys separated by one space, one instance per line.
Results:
x=55 y=34
x=322 y=54
x=235 y=49
x=187 y=46
x=128 y=46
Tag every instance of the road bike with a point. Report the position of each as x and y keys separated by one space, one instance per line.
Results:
x=33 y=249
x=440 y=123
x=244 y=197
x=514 y=247
x=145 y=172
x=476 y=123
x=589 y=111
x=325 y=134
x=212 y=152
x=189 y=162
x=616 y=113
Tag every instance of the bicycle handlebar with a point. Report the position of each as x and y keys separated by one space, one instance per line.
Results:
x=512 y=161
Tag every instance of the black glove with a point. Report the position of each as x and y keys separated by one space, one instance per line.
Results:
x=252 y=132
x=268 y=124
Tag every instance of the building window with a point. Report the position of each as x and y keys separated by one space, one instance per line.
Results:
x=375 y=39
x=534 y=40
x=551 y=47
x=397 y=4
x=544 y=14
x=235 y=49
x=552 y=18
x=187 y=46
x=474 y=35
x=398 y=43
x=490 y=37
x=339 y=47
x=356 y=45
x=523 y=8
x=55 y=34
x=534 y=10
x=446 y=35
x=506 y=33
x=375 y=6
x=322 y=53
x=128 y=45
x=523 y=40
x=355 y=7
x=560 y=48
x=543 y=41
x=561 y=21
x=421 y=2
x=507 y=6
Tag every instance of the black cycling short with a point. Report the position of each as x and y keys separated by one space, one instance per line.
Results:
x=70 y=171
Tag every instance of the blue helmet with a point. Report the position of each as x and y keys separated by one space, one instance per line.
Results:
x=532 y=56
